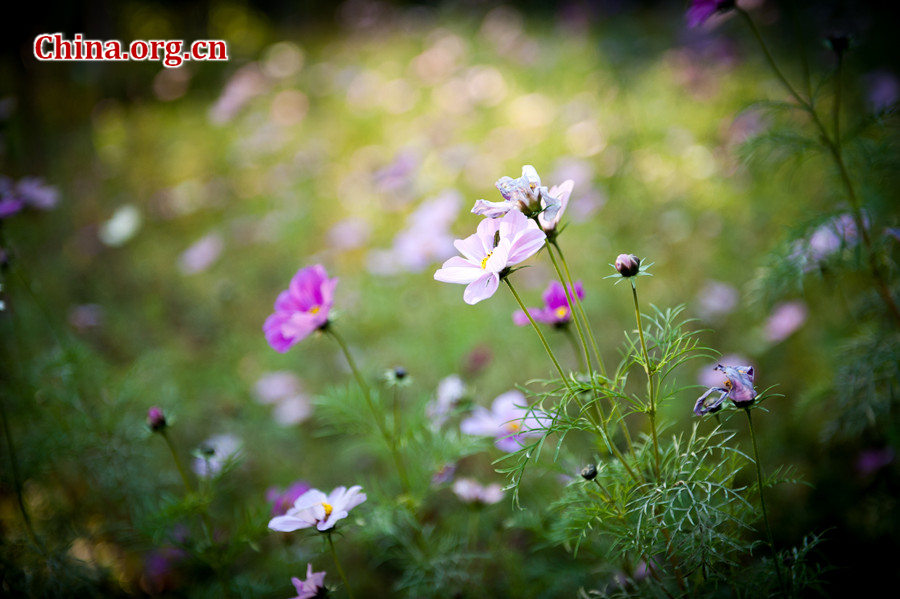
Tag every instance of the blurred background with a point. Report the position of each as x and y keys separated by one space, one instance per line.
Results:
x=172 y=205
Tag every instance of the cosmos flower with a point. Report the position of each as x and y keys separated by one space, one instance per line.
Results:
x=315 y=508
x=556 y=310
x=701 y=10
x=471 y=491
x=215 y=453
x=301 y=309
x=561 y=192
x=497 y=244
x=312 y=586
x=450 y=390
x=508 y=421
x=525 y=195
x=785 y=319
x=738 y=387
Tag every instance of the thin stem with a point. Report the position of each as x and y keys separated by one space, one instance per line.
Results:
x=569 y=290
x=17 y=483
x=584 y=318
x=575 y=347
x=537 y=329
x=836 y=113
x=762 y=501
x=650 y=381
x=181 y=471
x=771 y=61
x=388 y=439
x=337 y=564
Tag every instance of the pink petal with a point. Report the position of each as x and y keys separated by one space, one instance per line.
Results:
x=527 y=244
x=458 y=270
x=482 y=288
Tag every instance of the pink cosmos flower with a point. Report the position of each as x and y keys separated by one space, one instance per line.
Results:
x=561 y=192
x=508 y=421
x=315 y=508
x=301 y=309
x=701 y=10
x=556 y=310
x=309 y=588
x=283 y=500
x=471 y=491
x=497 y=244
x=786 y=318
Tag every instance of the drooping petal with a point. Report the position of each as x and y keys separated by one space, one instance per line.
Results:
x=493 y=209
x=482 y=288
x=289 y=523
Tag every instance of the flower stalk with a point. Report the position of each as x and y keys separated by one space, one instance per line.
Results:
x=651 y=387
x=337 y=564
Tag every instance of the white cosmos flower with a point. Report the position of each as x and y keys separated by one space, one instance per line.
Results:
x=315 y=508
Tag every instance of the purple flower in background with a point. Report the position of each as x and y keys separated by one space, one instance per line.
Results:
x=301 y=309
x=315 y=508
x=292 y=410
x=872 y=460
x=312 y=586
x=883 y=89
x=738 y=387
x=786 y=318
x=215 y=453
x=450 y=390
x=86 y=316
x=246 y=83
x=472 y=492
x=509 y=421
x=275 y=386
x=201 y=255
x=10 y=206
x=496 y=245
x=160 y=567
x=717 y=299
x=349 y=233
x=283 y=500
x=444 y=475
x=701 y=10
x=556 y=310
x=36 y=193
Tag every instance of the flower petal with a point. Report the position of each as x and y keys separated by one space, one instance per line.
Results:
x=482 y=288
x=458 y=270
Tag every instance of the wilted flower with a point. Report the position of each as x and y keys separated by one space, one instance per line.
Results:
x=313 y=586
x=556 y=310
x=496 y=245
x=508 y=421
x=283 y=500
x=561 y=194
x=628 y=265
x=315 y=508
x=156 y=420
x=738 y=387
x=471 y=492
x=301 y=309
x=701 y=10
x=526 y=195
x=215 y=453
x=786 y=318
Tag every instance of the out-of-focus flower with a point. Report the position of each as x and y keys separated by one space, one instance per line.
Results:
x=121 y=226
x=86 y=316
x=826 y=240
x=471 y=491
x=215 y=453
x=313 y=586
x=399 y=173
x=716 y=299
x=509 y=421
x=273 y=387
x=628 y=265
x=301 y=309
x=36 y=193
x=738 y=387
x=497 y=244
x=561 y=194
x=701 y=10
x=444 y=475
x=10 y=206
x=524 y=194
x=202 y=254
x=283 y=500
x=556 y=310
x=160 y=566
x=315 y=508
x=349 y=234
x=292 y=410
x=246 y=83
x=156 y=420
x=449 y=391
x=786 y=318
x=883 y=89
x=871 y=461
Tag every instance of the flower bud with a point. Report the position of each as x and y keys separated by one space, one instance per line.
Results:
x=628 y=265
x=400 y=373
x=156 y=420
x=589 y=472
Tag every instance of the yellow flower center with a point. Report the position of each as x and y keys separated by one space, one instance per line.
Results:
x=315 y=309
x=485 y=260
x=328 y=509
x=513 y=427
x=728 y=384
x=561 y=312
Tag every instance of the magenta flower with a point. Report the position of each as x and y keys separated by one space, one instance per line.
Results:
x=556 y=310
x=315 y=508
x=301 y=309
x=283 y=500
x=496 y=245
x=312 y=586
x=738 y=387
x=509 y=421
x=701 y=10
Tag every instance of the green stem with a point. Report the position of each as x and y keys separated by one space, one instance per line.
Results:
x=762 y=502
x=388 y=439
x=650 y=381
x=17 y=482
x=575 y=347
x=337 y=564
x=570 y=292
x=580 y=306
